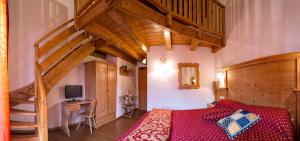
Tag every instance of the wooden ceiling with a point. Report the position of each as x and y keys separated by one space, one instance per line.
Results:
x=126 y=31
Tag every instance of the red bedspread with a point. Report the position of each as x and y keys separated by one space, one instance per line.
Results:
x=188 y=125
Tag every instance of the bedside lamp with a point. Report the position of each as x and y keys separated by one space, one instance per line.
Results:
x=221 y=78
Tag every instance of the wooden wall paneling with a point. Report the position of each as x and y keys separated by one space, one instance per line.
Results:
x=112 y=88
x=267 y=81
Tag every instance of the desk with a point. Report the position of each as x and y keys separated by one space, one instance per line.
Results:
x=67 y=108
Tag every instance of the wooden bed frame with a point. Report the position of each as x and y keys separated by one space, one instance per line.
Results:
x=269 y=81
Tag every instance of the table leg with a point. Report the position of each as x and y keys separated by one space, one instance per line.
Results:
x=65 y=121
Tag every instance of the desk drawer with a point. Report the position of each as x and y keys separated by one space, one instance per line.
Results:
x=73 y=107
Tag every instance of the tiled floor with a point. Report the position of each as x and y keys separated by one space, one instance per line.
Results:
x=107 y=132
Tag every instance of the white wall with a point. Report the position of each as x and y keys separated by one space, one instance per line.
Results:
x=57 y=94
x=163 y=89
x=29 y=20
x=258 y=28
x=124 y=83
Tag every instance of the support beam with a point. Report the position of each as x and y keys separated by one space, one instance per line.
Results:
x=114 y=51
x=125 y=24
x=216 y=49
x=138 y=9
x=167 y=35
x=108 y=36
x=194 y=44
x=90 y=11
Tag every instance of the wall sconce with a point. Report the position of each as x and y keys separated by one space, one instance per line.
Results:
x=144 y=61
x=144 y=48
x=221 y=78
x=163 y=61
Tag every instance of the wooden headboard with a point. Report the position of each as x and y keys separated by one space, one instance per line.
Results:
x=269 y=81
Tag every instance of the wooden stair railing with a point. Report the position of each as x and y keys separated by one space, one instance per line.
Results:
x=206 y=15
x=56 y=54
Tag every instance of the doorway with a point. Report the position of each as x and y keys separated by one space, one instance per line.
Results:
x=142 y=84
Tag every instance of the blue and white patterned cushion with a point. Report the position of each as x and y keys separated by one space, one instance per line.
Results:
x=238 y=122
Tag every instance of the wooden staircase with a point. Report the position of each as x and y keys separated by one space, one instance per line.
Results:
x=56 y=54
x=23 y=130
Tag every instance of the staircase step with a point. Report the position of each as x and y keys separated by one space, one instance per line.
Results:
x=56 y=40
x=60 y=53
x=21 y=101
x=22 y=124
x=22 y=112
x=68 y=63
x=24 y=137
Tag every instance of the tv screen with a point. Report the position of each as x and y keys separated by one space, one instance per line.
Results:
x=73 y=91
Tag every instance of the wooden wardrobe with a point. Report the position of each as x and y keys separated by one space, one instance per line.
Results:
x=100 y=84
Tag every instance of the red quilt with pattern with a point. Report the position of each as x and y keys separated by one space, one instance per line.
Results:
x=189 y=125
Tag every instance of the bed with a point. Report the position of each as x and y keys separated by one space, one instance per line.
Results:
x=269 y=87
x=189 y=125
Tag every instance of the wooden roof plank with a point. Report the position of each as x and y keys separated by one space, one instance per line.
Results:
x=136 y=8
x=108 y=36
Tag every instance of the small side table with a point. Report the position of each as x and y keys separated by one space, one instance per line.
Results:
x=128 y=105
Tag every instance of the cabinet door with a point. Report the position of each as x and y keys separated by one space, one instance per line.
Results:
x=112 y=82
x=101 y=90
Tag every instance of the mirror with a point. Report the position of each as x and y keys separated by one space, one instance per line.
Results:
x=188 y=75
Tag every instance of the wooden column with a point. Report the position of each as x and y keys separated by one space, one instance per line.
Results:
x=4 y=96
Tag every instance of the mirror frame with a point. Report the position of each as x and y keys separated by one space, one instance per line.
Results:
x=180 y=66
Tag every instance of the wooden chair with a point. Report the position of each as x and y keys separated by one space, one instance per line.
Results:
x=90 y=115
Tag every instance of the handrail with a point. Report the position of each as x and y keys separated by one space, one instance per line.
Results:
x=87 y=8
x=205 y=15
x=36 y=44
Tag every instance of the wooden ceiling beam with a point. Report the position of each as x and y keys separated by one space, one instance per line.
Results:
x=167 y=35
x=194 y=44
x=122 y=21
x=110 y=37
x=91 y=11
x=138 y=9
x=114 y=51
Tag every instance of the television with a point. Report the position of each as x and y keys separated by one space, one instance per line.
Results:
x=73 y=91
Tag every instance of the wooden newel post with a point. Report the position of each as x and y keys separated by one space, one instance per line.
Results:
x=4 y=95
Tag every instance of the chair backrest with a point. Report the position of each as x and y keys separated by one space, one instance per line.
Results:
x=93 y=107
